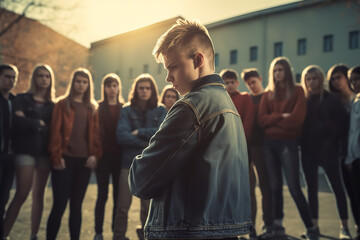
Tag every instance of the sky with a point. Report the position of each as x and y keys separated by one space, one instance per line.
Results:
x=96 y=20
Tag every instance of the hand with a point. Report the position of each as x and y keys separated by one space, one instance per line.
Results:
x=285 y=115
x=135 y=132
x=20 y=113
x=91 y=162
x=60 y=166
x=42 y=123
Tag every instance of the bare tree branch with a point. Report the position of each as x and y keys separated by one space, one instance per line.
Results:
x=8 y=27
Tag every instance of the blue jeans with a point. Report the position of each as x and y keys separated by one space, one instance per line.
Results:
x=283 y=154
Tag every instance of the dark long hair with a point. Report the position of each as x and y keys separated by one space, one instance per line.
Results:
x=134 y=97
x=107 y=79
x=88 y=98
x=165 y=90
x=337 y=68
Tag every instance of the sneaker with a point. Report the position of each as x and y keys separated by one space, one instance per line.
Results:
x=252 y=235
x=313 y=233
x=98 y=236
x=344 y=233
x=274 y=231
x=34 y=238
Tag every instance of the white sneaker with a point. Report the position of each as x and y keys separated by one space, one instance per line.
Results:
x=344 y=233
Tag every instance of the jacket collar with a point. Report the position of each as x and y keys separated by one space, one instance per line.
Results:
x=213 y=79
x=11 y=96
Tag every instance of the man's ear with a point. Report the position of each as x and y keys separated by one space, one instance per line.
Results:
x=198 y=60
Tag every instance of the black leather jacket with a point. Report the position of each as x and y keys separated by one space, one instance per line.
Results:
x=29 y=137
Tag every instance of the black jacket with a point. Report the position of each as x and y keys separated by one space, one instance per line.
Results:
x=30 y=138
x=325 y=127
x=6 y=109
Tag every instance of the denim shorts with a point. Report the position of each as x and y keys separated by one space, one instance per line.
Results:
x=28 y=160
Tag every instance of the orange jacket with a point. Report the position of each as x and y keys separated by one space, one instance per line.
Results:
x=61 y=128
x=276 y=126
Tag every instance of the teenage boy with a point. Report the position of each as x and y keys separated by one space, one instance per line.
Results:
x=253 y=81
x=242 y=101
x=8 y=77
x=195 y=169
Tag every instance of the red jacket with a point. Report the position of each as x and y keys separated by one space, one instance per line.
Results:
x=270 y=115
x=246 y=110
x=61 y=128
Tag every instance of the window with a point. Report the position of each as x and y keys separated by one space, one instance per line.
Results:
x=216 y=59
x=233 y=56
x=253 y=54
x=298 y=77
x=146 y=68
x=278 y=49
x=328 y=43
x=354 y=39
x=301 y=48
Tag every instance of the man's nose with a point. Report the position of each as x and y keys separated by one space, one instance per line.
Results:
x=168 y=78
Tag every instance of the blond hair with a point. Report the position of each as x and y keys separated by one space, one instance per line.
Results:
x=50 y=93
x=318 y=72
x=189 y=34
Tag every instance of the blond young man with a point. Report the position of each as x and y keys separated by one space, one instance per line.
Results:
x=195 y=169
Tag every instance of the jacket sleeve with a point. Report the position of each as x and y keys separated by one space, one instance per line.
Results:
x=56 y=136
x=265 y=117
x=168 y=152
x=147 y=133
x=123 y=132
x=298 y=113
x=24 y=124
x=97 y=151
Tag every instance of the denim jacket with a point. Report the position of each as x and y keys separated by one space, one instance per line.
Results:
x=354 y=132
x=195 y=169
x=131 y=118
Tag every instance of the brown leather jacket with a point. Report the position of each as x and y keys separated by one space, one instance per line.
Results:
x=61 y=128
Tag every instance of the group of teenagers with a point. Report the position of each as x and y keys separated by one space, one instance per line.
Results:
x=191 y=158
x=70 y=137
x=287 y=123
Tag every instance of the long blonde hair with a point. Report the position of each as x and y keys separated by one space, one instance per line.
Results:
x=319 y=73
x=50 y=93
x=289 y=78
